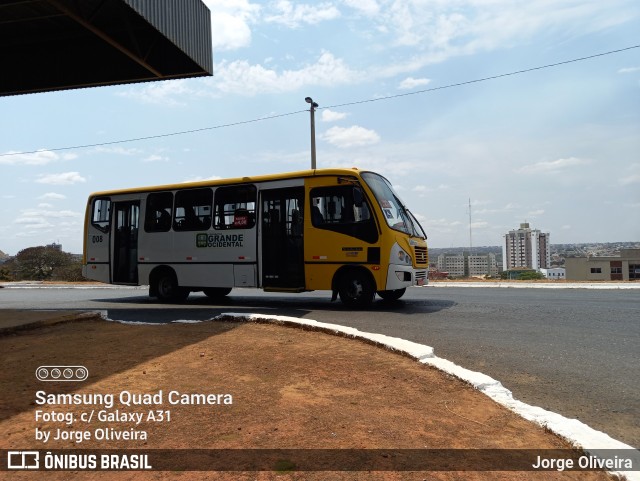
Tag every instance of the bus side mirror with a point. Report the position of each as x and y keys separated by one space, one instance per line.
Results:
x=358 y=196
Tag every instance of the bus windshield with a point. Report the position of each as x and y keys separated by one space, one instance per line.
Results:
x=395 y=213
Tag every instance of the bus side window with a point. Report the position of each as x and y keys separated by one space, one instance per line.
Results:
x=101 y=216
x=192 y=209
x=339 y=209
x=158 y=212
x=235 y=207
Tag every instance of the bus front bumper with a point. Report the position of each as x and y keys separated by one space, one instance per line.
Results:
x=400 y=277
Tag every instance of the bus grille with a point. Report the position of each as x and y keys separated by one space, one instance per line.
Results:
x=421 y=255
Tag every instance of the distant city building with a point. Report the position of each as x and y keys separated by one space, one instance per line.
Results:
x=625 y=267
x=526 y=248
x=55 y=246
x=482 y=265
x=460 y=265
x=555 y=273
x=453 y=264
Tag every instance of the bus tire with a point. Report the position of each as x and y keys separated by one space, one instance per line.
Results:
x=166 y=287
x=356 y=288
x=392 y=295
x=216 y=292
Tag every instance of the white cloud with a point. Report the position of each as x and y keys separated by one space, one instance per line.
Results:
x=165 y=92
x=118 y=150
x=200 y=179
x=294 y=15
x=553 y=166
x=423 y=190
x=65 y=178
x=33 y=223
x=442 y=29
x=332 y=116
x=369 y=8
x=633 y=177
x=41 y=157
x=630 y=179
x=53 y=196
x=435 y=31
x=411 y=83
x=230 y=23
x=441 y=225
x=241 y=77
x=629 y=70
x=535 y=213
x=353 y=136
x=56 y=214
x=155 y=158
x=481 y=224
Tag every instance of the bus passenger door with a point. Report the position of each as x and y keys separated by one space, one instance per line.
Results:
x=282 y=238
x=126 y=216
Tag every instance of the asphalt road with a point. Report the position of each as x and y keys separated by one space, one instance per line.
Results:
x=572 y=351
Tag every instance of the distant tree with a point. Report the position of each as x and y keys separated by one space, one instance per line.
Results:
x=531 y=276
x=522 y=275
x=71 y=272
x=5 y=274
x=40 y=263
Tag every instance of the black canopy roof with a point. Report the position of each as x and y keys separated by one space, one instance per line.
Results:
x=61 y=44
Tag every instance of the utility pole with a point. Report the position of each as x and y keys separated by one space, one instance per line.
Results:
x=312 y=111
x=470 y=237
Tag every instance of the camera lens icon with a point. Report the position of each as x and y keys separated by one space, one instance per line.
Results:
x=62 y=373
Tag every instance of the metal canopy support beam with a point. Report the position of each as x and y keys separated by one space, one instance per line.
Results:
x=100 y=34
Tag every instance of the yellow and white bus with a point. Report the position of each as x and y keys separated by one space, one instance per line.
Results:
x=343 y=230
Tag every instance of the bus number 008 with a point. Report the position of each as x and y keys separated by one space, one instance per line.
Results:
x=96 y=239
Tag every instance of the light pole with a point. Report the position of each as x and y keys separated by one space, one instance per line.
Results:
x=312 y=111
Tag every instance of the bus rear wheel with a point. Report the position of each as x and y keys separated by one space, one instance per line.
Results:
x=356 y=288
x=167 y=288
x=392 y=295
x=216 y=292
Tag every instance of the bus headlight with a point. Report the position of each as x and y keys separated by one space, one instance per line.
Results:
x=404 y=257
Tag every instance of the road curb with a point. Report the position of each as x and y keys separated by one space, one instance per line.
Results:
x=12 y=320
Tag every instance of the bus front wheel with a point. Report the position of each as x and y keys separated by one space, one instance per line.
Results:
x=167 y=288
x=356 y=288
x=392 y=295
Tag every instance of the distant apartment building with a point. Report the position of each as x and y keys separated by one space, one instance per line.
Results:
x=526 y=248
x=482 y=265
x=459 y=265
x=625 y=267
x=453 y=264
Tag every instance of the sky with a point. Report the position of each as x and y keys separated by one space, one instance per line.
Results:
x=398 y=92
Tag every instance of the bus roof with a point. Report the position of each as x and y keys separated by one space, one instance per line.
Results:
x=237 y=180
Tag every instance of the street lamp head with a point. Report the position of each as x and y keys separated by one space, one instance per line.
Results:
x=309 y=100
